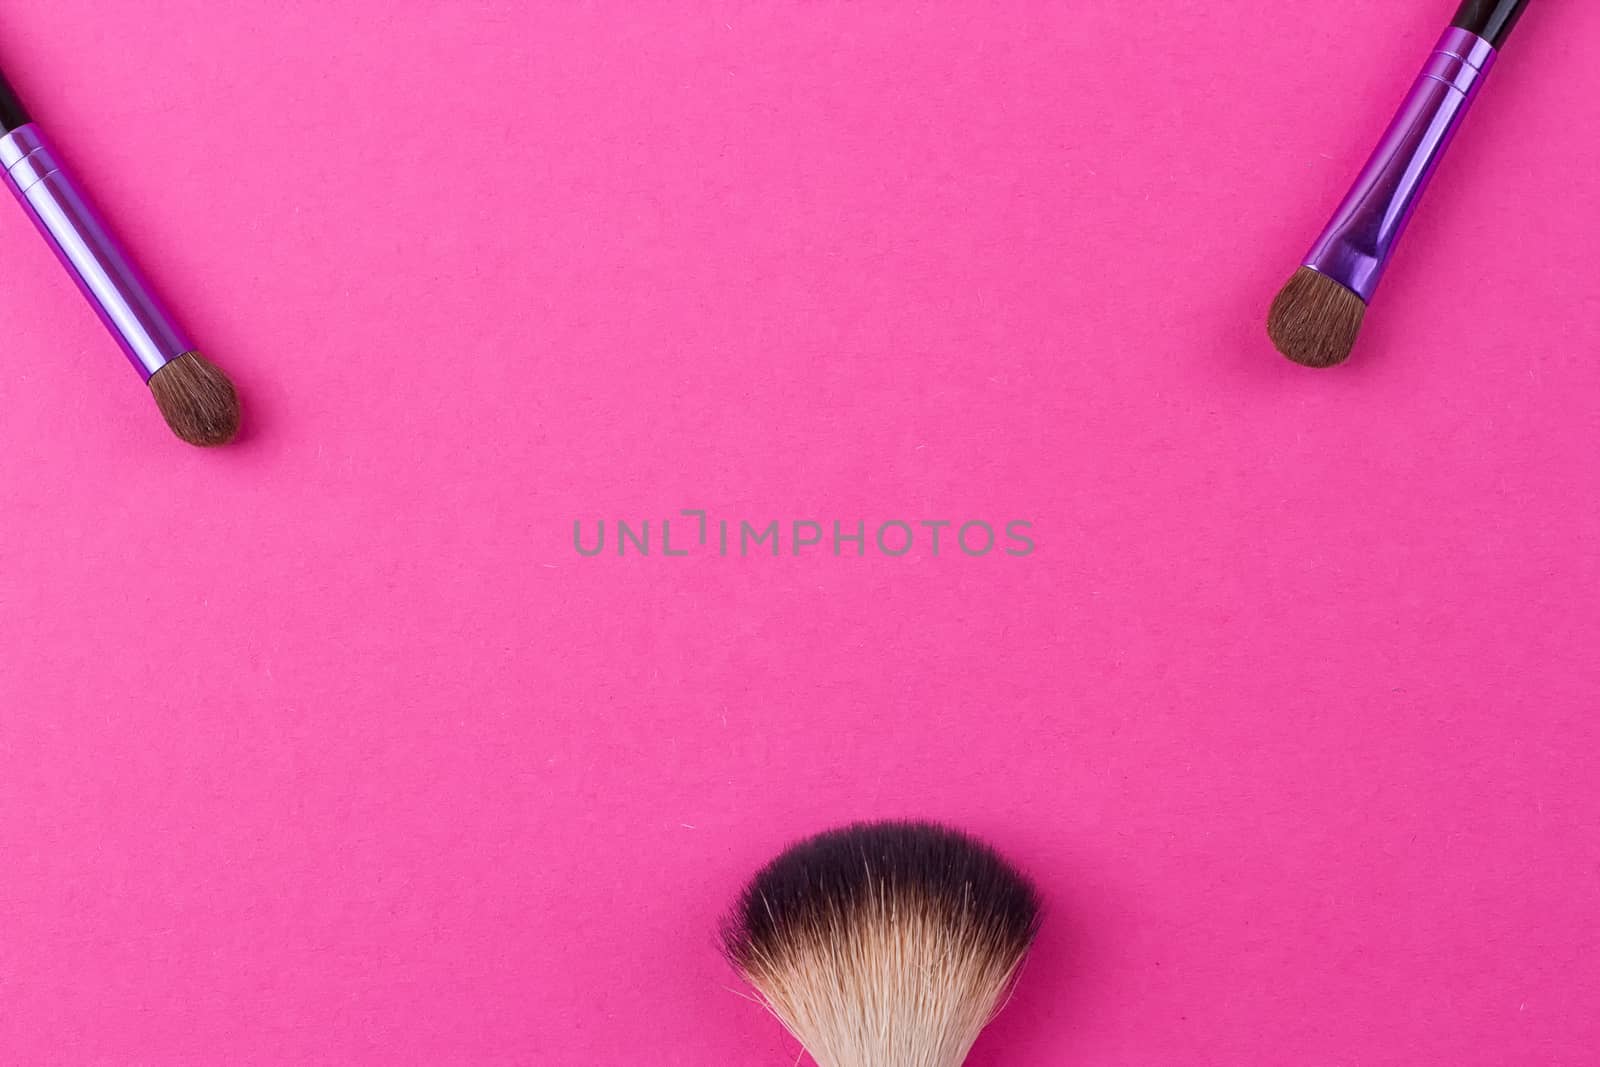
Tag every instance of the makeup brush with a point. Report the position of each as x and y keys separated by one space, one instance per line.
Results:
x=195 y=398
x=885 y=944
x=1316 y=317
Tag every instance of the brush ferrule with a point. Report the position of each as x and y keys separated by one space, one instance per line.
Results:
x=85 y=245
x=1356 y=246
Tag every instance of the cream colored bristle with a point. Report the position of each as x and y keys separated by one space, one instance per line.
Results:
x=884 y=944
x=896 y=985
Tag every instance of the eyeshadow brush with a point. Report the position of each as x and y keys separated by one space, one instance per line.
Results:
x=195 y=397
x=1317 y=315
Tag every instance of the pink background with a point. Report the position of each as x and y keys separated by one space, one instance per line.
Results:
x=329 y=748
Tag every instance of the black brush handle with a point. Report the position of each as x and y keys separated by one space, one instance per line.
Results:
x=12 y=113
x=1493 y=20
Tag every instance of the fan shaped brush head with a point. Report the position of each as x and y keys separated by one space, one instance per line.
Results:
x=884 y=944
x=197 y=400
x=1314 y=320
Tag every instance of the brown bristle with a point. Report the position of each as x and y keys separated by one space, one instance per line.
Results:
x=1314 y=320
x=884 y=943
x=197 y=400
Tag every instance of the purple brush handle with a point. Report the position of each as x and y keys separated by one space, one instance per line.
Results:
x=85 y=245
x=1356 y=246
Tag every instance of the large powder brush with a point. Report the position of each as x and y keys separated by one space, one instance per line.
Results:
x=887 y=944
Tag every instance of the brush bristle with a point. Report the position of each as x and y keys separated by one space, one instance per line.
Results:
x=197 y=400
x=884 y=943
x=1314 y=320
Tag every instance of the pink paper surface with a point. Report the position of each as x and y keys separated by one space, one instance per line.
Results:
x=331 y=749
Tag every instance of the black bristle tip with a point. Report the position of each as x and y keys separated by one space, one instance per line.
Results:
x=825 y=878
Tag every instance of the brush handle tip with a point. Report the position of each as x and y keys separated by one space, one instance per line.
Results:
x=1493 y=20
